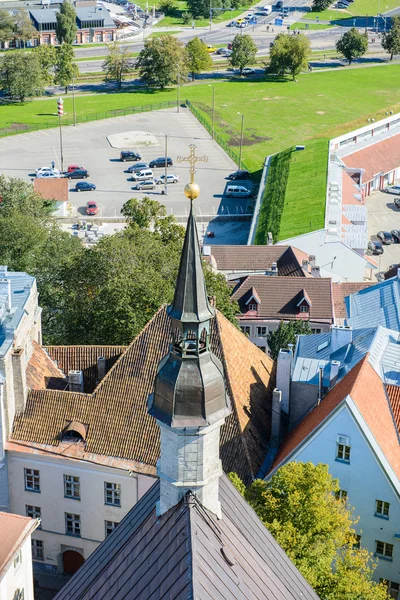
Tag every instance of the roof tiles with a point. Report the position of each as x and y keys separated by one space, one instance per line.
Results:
x=13 y=529
x=341 y=290
x=260 y=258
x=381 y=157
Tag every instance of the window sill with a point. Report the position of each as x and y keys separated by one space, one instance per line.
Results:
x=76 y=535
x=110 y=504
x=383 y=557
x=342 y=460
x=33 y=491
x=381 y=516
x=71 y=498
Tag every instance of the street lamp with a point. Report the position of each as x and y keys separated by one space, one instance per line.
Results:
x=166 y=164
x=178 y=90
x=73 y=100
x=241 y=141
x=60 y=110
x=213 y=110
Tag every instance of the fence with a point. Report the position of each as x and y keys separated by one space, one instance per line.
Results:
x=218 y=138
x=15 y=128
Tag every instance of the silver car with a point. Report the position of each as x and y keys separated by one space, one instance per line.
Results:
x=393 y=189
x=145 y=185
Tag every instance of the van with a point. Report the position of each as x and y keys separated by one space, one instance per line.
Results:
x=267 y=9
x=237 y=191
x=142 y=175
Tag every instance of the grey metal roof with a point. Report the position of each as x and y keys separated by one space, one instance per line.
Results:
x=377 y=305
x=45 y=15
x=21 y=285
x=180 y=556
x=94 y=13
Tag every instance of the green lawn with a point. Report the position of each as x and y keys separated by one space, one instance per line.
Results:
x=328 y=15
x=181 y=6
x=160 y=33
x=301 y=25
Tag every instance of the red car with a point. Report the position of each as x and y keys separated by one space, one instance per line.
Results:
x=92 y=208
x=73 y=168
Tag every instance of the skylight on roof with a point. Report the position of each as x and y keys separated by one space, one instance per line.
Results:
x=322 y=346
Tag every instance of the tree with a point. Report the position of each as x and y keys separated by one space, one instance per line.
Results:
x=200 y=9
x=20 y=75
x=162 y=60
x=23 y=28
x=217 y=287
x=352 y=44
x=148 y=214
x=289 y=54
x=316 y=529
x=66 y=23
x=47 y=57
x=244 y=52
x=6 y=26
x=65 y=69
x=19 y=196
x=117 y=63
x=320 y=5
x=286 y=334
x=199 y=57
x=391 y=38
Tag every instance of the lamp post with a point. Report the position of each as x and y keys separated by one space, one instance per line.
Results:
x=73 y=100
x=241 y=142
x=178 y=90
x=212 y=111
x=166 y=165
x=60 y=110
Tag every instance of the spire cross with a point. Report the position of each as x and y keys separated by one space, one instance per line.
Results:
x=192 y=159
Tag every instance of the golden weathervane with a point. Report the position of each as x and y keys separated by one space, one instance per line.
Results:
x=192 y=190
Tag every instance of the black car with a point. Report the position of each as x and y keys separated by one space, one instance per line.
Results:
x=385 y=237
x=239 y=175
x=395 y=233
x=84 y=186
x=129 y=155
x=396 y=202
x=78 y=174
x=137 y=167
x=160 y=162
x=375 y=247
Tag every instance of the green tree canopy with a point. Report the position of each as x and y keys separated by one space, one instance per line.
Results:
x=149 y=214
x=217 y=287
x=66 y=70
x=6 y=25
x=352 y=44
x=19 y=196
x=23 y=28
x=199 y=57
x=66 y=23
x=244 y=52
x=320 y=5
x=289 y=54
x=200 y=9
x=391 y=38
x=47 y=59
x=21 y=75
x=316 y=529
x=117 y=63
x=162 y=60
x=286 y=334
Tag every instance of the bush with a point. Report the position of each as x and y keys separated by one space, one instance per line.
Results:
x=167 y=7
x=187 y=17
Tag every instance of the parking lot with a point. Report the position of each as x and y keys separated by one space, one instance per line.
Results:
x=383 y=216
x=87 y=145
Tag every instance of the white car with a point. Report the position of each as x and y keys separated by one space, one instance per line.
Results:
x=49 y=175
x=46 y=170
x=248 y=71
x=170 y=179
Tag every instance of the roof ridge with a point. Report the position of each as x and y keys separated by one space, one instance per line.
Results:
x=85 y=346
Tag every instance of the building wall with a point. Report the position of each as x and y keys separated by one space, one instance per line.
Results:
x=261 y=340
x=91 y=507
x=365 y=482
x=19 y=577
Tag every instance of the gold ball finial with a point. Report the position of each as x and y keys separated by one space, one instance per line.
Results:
x=192 y=191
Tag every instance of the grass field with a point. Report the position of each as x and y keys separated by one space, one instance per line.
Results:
x=278 y=114
x=156 y=34
x=181 y=6
x=301 y=25
x=328 y=15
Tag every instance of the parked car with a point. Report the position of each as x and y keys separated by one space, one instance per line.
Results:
x=49 y=175
x=137 y=167
x=396 y=202
x=222 y=50
x=237 y=191
x=375 y=247
x=239 y=175
x=211 y=49
x=248 y=71
x=46 y=170
x=73 y=168
x=84 y=186
x=392 y=189
x=160 y=162
x=91 y=208
x=129 y=155
x=239 y=21
x=149 y=184
x=396 y=236
x=385 y=237
x=170 y=179
x=144 y=175
x=79 y=174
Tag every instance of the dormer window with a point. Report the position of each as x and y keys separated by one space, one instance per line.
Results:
x=253 y=306
x=74 y=432
x=304 y=308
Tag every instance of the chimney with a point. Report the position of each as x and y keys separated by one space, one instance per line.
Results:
x=274 y=268
x=276 y=418
x=320 y=383
x=19 y=378
x=270 y=240
x=75 y=380
x=340 y=336
x=311 y=260
x=334 y=372
x=5 y=289
x=101 y=368
x=283 y=375
x=304 y=264
x=315 y=271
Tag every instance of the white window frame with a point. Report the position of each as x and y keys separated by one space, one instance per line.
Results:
x=246 y=329
x=260 y=329
x=109 y=527
x=382 y=509
x=19 y=594
x=34 y=512
x=112 y=494
x=316 y=330
x=37 y=549
x=72 y=487
x=73 y=522
x=343 y=448
x=388 y=550
x=18 y=559
x=304 y=308
x=34 y=476
x=392 y=587
x=253 y=306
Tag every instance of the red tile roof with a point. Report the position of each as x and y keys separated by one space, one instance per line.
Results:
x=367 y=390
x=260 y=258
x=42 y=373
x=349 y=188
x=341 y=290
x=13 y=531
x=381 y=157
x=52 y=189
x=394 y=398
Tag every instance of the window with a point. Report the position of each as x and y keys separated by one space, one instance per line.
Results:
x=252 y=306
x=304 y=308
x=72 y=524
x=110 y=526
x=34 y=512
x=357 y=543
x=19 y=594
x=245 y=329
x=261 y=331
x=32 y=480
x=72 y=487
x=18 y=559
x=343 y=448
x=393 y=588
x=316 y=329
x=382 y=509
x=112 y=492
x=37 y=550
x=341 y=495
x=384 y=550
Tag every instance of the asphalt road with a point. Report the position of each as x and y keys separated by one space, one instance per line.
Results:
x=383 y=216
